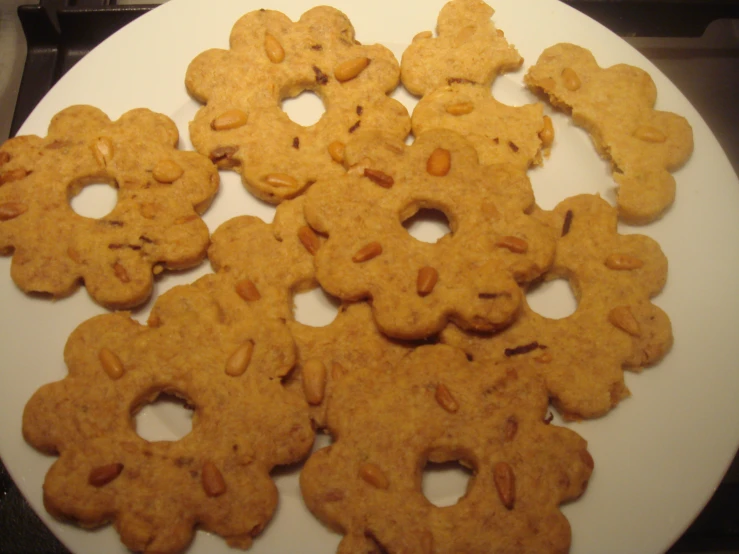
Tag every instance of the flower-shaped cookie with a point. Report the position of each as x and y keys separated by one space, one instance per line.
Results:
x=581 y=357
x=242 y=125
x=469 y=276
x=203 y=344
x=154 y=225
x=437 y=406
x=468 y=49
x=616 y=106
x=267 y=263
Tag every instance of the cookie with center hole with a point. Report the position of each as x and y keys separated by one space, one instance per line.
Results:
x=437 y=406
x=615 y=105
x=226 y=361
x=154 y=225
x=469 y=276
x=242 y=125
x=615 y=326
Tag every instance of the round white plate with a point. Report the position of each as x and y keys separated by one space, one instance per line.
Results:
x=658 y=456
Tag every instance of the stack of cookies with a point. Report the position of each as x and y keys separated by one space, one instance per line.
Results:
x=435 y=354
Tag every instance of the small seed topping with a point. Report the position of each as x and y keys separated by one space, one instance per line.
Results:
x=281 y=180
x=274 y=50
x=223 y=156
x=505 y=484
x=309 y=239
x=314 y=381
x=11 y=210
x=367 y=252
x=212 y=480
x=337 y=371
x=167 y=171
x=231 y=119
x=373 y=475
x=546 y=135
x=12 y=175
x=567 y=222
x=570 y=79
x=101 y=476
x=379 y=178
x=121 y=273
x=111 y=363
x=623 y=262
x=510 y=429
x=523 y=349
x=649 y=134
x=336 y=151
x=514 y=244
x=247 y=290
x=103 y=149
x=445 y=399
x=349 y=69
x=426 y=280
x=74 y=255
x=623 y=318
x=239 y=361
x=4 y=158
x=439 y=162
x=462 y=108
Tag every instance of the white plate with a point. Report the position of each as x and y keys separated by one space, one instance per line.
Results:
x=659 y=455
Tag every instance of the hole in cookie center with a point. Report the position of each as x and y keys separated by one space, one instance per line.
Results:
x=427 y=225
x=444 y=484
x=168 y=418
x=315 y=307
x=94 y=199
x=305 y=109
x=553 y=299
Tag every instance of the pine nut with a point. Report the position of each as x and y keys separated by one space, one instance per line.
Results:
x=281 y=180
x=102 y=149
x=212 y=480
x=463 y=108
x=273 y=48
x=13 y=175
x=514 y=244
x=623 y=262
x=337 y=371
x=247 y=290
x=167 y=171
x=121 y=273
x=371 y=250
x=505 y=484
x=570 y=79
x=445 y=399
x=373 y=475
x=111 y=363
x=624 y=319
x=74 y=255
x=309 y=239
x=11 y=210
x=426 y=280
x=546 y=135
x=239 y=361
x=336 y=151
x=314 y=381
x=101 y=476
x=231 y=119
x=349 y=69
x=439 y=162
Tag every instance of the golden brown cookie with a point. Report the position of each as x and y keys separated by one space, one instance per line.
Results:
x=469 y=276
x=226 y=360
x=501 y=134
x=437 y=406
x=581 y=357
x=242 y=125
x=267 y=263
x=467 y=49
x=616 y=106
x=155 y=224
x=349 y=343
